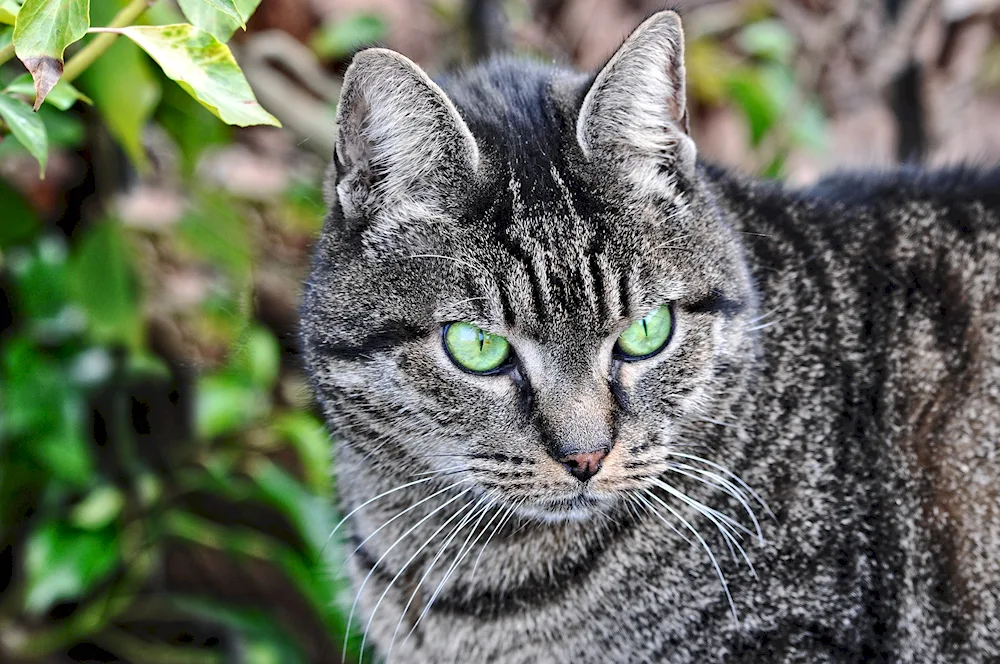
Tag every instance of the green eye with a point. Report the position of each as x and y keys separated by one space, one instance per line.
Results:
x=474 y=350
x=647 y=336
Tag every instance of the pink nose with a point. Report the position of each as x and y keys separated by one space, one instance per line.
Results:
x=585 y=465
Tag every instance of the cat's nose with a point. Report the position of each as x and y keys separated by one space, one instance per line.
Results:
x=584 y=465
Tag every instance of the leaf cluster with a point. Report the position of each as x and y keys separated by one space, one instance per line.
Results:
x=194 y=54
x=140 y=499
x=113 y=463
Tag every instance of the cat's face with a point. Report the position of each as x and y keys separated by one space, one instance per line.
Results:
x=523 y=288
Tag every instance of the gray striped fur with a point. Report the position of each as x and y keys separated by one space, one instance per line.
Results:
x=837 y=349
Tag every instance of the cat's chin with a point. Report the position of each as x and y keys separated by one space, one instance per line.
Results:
x=580 y=507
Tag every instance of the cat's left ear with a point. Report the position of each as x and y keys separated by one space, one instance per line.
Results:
x=402 y=149
x=637 y=106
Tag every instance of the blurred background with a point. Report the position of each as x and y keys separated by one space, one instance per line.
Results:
x=165 y=491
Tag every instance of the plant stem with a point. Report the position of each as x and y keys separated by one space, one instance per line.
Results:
x=6 y=53
x=102 y=42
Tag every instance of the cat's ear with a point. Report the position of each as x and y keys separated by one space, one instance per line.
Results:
x=401 y=144
x=637 y=105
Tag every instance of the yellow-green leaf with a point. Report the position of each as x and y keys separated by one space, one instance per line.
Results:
x=205 y=68
x=27 y=128
x=63 y=96
x=43 y=30
x=227 y=7
x=219 y=23
x=8 y=11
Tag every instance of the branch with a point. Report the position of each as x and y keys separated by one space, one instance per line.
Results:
x=895 y=55
x=102 y=42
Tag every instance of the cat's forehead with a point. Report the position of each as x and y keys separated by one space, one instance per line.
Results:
x=556 y=259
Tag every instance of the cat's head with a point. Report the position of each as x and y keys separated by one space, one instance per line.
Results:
x=523 y=283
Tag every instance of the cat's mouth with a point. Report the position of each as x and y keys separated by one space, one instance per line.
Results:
x=576 y=507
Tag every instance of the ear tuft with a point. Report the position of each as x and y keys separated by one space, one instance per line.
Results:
x=401 y=143
x=637 y=105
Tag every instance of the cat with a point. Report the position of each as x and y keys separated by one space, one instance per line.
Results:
x=594 y=400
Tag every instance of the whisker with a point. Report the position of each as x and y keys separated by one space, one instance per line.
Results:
x=510 y=512
x=704 y=544
x=722 y=522
x=725 y=471
x=378 y=562
x=369 y=502
x=723 y=484
x=399 y=573
x=702 y=507
x=458 y=557
x=386 y=523
x=443 y=471
x=649 y=509
x=763 y=326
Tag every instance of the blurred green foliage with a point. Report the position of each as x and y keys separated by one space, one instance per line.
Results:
x=140 y=498
x=752 y=68
x=95 y=484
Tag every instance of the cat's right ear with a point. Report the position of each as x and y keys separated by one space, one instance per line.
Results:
x=637 y=106
x=401 y=145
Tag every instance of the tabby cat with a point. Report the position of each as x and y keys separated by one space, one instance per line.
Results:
x=597 y=401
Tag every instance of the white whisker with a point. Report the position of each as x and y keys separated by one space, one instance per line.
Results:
x=722 y=484
x=399 y=573
x=396 y=516
x=704 y=544
x=725 y=471
x=499 y=527
x=369 y=502
x=722 y=522
x=444 y=579
x=378 y=562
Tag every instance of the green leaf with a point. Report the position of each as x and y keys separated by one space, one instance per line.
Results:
x=191 y=125
x=811 y=128
x=102 y=278
x=98 y=509
x=205 y=67
x=227 y=7
x=311 y=441
x=63 y=452
x=312 y=515
x=8 y=11
x=216 y=232
x=219 y=23
x=750 y=90
x=64 y=563
x=261 y=639
x=126 y=109
x=63 y=96
x=338 y=39
x=19 y=221
x=258 y=358
x=6 y=37
x=27 y=128
x=769 y=39
x=44 y=29
x=225 y=403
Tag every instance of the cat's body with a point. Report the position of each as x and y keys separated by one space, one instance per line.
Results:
x=837 y=348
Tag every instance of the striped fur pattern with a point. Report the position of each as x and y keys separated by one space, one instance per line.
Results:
x=809 y=472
